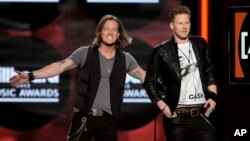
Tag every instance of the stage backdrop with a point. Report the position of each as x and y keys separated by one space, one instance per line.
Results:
x=36 y=33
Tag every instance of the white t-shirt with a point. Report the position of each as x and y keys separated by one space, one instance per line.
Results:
x=191 y=86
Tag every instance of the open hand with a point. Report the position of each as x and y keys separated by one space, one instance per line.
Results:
x=20 y=78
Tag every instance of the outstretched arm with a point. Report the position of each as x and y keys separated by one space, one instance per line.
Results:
x=50 y=70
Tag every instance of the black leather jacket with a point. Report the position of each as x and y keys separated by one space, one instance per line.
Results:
x=164 y=66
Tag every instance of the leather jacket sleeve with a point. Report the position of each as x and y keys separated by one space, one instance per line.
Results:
x=209 y=71
x=205 y=66
x=151 y=75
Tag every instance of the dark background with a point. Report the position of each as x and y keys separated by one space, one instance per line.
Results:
x=232 y=110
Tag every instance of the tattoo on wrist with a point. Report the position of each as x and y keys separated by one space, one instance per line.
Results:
x=63 y=61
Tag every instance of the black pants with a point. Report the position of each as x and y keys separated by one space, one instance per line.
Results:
x=189 y=127
x=101 y=128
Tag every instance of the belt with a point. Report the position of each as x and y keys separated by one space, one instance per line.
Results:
x=192 y=111
x=97 y=112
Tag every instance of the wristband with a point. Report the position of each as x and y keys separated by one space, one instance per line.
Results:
x=31 y=76
x=213 y=96
x=164 y=108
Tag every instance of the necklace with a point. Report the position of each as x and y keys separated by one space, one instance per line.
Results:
x=188 y=69
x=107 y=63
x=109 y=69
x=189 y=53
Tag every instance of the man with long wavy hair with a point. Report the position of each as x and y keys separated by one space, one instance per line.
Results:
x=101 y=72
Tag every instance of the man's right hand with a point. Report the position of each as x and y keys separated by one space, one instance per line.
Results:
x=168 y=113
x=18 y=79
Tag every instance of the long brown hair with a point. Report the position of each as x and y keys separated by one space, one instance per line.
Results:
x=122 y=41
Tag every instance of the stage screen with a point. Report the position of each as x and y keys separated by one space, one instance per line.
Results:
x=37 y=33
x=31 y=1
x=123 y=1
x=238 y=39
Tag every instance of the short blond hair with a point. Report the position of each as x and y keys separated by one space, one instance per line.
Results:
x=178 y=10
